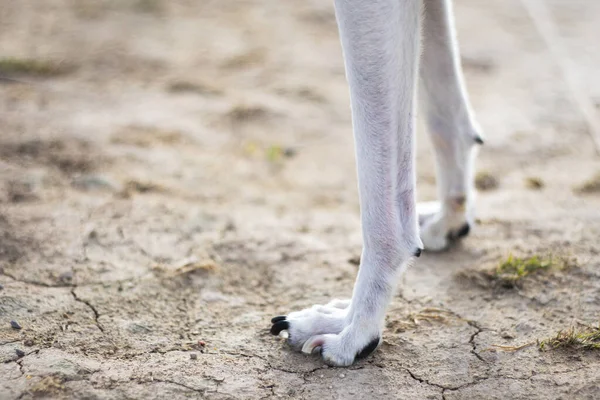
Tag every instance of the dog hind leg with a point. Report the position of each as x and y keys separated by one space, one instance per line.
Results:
x=452 y=127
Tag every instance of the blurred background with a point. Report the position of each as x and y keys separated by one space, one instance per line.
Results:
x=177 y=172
x=250 y=82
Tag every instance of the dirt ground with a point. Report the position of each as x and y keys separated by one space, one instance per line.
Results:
x=175 y=173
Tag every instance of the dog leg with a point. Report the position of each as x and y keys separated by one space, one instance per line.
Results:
x=453 y=129
x=380 y=40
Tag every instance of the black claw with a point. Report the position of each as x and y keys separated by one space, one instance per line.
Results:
x=369 y=348
x=478 y=140
x=278 y=318
x=418 y=252
x=278 y=327
x=463 y=231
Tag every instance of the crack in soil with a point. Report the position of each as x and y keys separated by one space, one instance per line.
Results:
x=444 y=388
x=472 y=340
x=477 y=381
x=20 y=362
x=87 y=303
x=136 y=279
x=201 y=391
x=217 y=382
x=304 y=374
x=10 y=342
x=33 y=283
x=231 y=353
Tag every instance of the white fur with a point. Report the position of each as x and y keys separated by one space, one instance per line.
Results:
x=381 y=46
x=451 y=124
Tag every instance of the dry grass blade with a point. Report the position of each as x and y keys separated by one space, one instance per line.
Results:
x=188 y=266
x=429 y=315
x=511 y=348
x=416 y=318
x=203 y=265
x=534 y=183
x=49 y=385
x=485 y=181
x=587 y=338
x=592 y=185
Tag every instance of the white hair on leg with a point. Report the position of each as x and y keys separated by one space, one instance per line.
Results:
x=380 y=41
x=453 y=129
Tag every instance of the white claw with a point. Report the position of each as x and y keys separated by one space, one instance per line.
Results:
x=312 y=345
x=307 y=348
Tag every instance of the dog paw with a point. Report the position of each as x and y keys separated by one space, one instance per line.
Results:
x=319 y=319
x=343 y=349
x=326 y=329
x=442 y=228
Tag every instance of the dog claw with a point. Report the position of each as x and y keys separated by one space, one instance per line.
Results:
x=313 y=345
x=278 y=318
x=369 y=348
x=463 y=231
x=459 y=234
x=279 y=326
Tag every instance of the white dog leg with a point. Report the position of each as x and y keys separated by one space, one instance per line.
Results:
x=380 y=39
x=453 y=129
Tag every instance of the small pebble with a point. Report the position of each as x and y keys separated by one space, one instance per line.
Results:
x=321 y=375
x=290 y=152
x=28 y=342
x=15 y=325
x=193 y=356
x=342 y=376
x=1 y=286
x=506 y=335
x=92 y=182
x=330 y=387
x=66 y=276
x=20 y=353
x=354 y=260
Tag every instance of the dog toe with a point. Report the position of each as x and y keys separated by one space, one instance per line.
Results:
x=278 y=326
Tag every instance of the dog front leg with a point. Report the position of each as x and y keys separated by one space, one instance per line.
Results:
x=380 y=41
